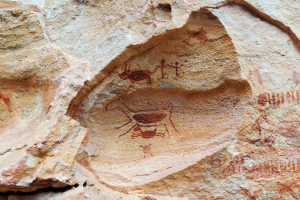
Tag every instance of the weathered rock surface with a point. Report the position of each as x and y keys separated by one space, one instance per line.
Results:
x=149 y=99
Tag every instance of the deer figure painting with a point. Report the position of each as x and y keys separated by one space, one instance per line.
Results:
x=135 y=76
x=144 y=118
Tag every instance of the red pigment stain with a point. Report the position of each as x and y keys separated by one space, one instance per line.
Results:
x=6 y=101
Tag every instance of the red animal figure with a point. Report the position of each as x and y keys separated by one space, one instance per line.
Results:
x=199 y=35
x=146 y=149
x=260 y=120
x=288 y=129
x=6 y=101
x=135 y=76
x=269 y=137
x=144 y=118
x=255 y=74
x=146 y=134
x=162 y=68
x=176 y=66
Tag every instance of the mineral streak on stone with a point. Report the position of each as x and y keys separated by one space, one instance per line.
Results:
x=149 y=99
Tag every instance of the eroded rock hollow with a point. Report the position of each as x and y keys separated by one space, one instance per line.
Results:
x=149 y=99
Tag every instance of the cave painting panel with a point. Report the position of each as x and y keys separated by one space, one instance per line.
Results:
x=166 y=108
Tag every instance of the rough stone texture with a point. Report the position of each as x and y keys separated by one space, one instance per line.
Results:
x=149 y=99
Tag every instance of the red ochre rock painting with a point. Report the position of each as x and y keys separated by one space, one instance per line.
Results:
x=144 y=118
x=255 y=74
x=146 y=134
x=263 y=168
x=119 y=99
x=179 y=94
x=6 y=101
x=138 y=75
x=296 y=77
x=199 y=35
x=278 y=98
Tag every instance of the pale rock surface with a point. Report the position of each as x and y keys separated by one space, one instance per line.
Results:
x=149 y=99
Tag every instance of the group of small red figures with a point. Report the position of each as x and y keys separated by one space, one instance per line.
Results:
x=237 y=165
x=140 y=75
x=266 y=167
x=278 y=98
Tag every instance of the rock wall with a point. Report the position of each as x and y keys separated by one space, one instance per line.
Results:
x=149 y=99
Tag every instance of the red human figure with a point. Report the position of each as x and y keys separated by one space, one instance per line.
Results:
x=146 y=149
x=176 y=66
x=162 y=66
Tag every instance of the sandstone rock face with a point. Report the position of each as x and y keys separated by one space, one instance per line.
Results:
x=149 y=99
